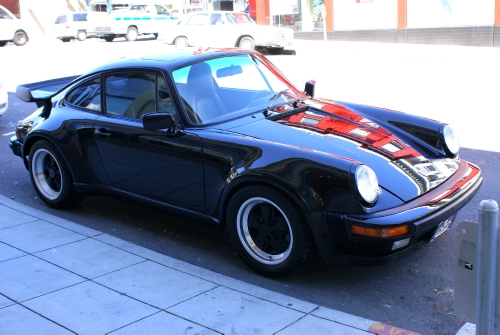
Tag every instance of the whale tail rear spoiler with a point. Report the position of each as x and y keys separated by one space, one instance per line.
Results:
x=43 y=91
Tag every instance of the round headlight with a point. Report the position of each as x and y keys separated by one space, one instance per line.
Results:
x=450 y=139
x=367 y=184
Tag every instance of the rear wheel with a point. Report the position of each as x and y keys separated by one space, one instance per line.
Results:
x=82 y=35
x=50 y=176
x=246 y=43
x=267 y=232
x=20 y=38
x=131 y=34
x=181 y=42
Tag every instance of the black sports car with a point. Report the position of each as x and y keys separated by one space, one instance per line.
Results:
x=223 y=137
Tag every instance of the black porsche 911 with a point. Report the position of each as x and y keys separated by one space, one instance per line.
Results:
x=223 y=137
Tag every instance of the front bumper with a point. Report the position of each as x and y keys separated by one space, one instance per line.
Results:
x=16 y=146
x=338 y=246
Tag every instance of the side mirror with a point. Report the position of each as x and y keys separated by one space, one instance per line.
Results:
x=160 y=120
x=309 y=89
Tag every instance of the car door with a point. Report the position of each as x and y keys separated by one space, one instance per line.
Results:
x=195 y=29
x=142 y=162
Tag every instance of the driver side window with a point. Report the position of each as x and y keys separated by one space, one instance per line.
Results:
x=133 y=94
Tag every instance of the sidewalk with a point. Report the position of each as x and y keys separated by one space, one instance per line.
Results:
x=58 y=277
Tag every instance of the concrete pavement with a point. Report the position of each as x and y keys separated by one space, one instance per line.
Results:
x=58 y=277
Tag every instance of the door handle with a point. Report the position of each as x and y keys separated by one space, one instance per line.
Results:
x=103 y=132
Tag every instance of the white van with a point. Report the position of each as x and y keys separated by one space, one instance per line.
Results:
x=11 y=28
x=137 y=19
x=72 y=26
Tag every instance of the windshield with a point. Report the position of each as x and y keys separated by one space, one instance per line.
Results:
x=239 y=18
x=223 y=88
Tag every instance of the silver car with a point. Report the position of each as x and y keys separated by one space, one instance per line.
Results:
x=227 y=29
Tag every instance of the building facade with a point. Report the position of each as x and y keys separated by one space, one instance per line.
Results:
x=457 y=22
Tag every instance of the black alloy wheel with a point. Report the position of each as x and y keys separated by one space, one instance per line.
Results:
x=50 y=176
x=268 y=233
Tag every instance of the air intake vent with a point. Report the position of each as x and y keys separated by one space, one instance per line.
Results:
x=336 y=226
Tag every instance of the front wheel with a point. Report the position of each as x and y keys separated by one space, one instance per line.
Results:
x=267 y=232
x=20 y=38
x=131 y=34
x=50 y=176
x=181 y=42
x=82 y=35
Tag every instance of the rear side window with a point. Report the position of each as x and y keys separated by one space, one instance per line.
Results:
x=87 y=95
x=61 y=19
x=80 y=17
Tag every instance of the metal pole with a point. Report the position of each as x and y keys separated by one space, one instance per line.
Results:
x=497 y=278
x=487 y=247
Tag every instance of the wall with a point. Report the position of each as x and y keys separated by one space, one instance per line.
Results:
x=375 y=14
x=449 y=13
x=40 y=16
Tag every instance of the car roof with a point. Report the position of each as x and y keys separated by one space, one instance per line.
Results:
x=171 y=60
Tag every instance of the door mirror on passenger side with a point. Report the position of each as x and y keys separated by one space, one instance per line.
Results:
x=309 y=89
x=160 y=120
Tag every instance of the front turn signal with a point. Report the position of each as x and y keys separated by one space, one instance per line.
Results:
x=380 y=232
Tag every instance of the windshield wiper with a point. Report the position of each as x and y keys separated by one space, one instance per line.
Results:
x=276 y=96
x=294 y=104
x=286 y=114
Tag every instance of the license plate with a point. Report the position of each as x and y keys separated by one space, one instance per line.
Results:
x=442 y=227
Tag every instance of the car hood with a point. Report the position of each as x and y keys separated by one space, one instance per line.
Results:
x=406 y=165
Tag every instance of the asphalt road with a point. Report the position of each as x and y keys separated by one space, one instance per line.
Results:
x=415 y=293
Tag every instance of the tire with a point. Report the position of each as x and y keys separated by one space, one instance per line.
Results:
x=131 y=34
x=267 y=232
x=20 y=38
x=108 y=38
x=246 y=43
x=81 y=35
x=3 y=43
x=181 y=42
x=50 y=176
x=275 y=51
x=65 y=40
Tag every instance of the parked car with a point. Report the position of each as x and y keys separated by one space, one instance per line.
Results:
x=4 y=99
x=72 y=26
x=12 y=29
x=227 y=29
x=220 y=136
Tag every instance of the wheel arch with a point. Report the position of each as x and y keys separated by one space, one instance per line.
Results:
x=244 y=182
x=30 y=142
x=133 y=26
x=242 y=36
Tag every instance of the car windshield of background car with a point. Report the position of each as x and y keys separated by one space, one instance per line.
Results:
x=4 y=15
x=247 y=90
x=239 y=18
